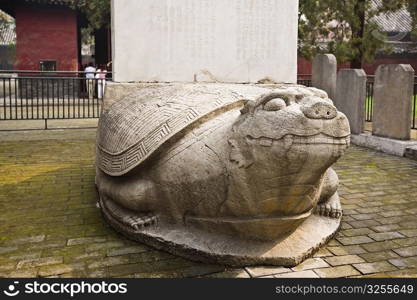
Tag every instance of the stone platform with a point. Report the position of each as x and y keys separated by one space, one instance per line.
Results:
x=51 y=226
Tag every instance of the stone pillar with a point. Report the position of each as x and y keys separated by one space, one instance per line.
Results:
x=350 y=97
x=393 y=92
x=324 y=73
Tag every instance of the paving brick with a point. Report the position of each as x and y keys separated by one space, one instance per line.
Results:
x=409 y=262
x=109 y=261
x=361 y=217
x=409 y=273
x=406 y=232
x=378 y=256
x=7 y=266
x=337 y=272
x=4 y=250
x=357 y=231
x=323 y=252
x=86 y=240
x=344 y=250
x=355 y=240
x=54 y=270
x=30 y=263
x=23 y=273
x=386 y=228
x=265 y=271
x=311 y=263
x=300 y=274
x=362 y=224
x=405 y=242
x=230 y=274
x=127 y=250
x=344 y=260
x=406 y=252
x=385 y=236
x=27 y=240
x=333 y=242
x=380 y=246
x=375 y=267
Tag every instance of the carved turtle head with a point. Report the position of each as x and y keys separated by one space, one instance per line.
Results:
x=284 y=142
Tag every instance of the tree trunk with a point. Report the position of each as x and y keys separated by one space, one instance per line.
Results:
x=358 y=33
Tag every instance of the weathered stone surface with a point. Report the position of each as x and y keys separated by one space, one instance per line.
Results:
x=411 y=152
x=235 y=41
x=355 y=240
x=300 y=274
x=367 y=268
x=385 y=236
x=344 y=250
x=393 y=91
x=242 y=166
x=407 y=251
x=350 y=97
x=311 y=263
x=340 y=271
x=344 y=260
x=266 y=271
x=378 y=256
x=382 y=144
x=324 y=74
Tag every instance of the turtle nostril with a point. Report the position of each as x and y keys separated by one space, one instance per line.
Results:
x=319 y=110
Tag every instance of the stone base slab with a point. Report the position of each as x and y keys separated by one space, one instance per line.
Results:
x=386 y=145
x=411 y=152
x=213 y=248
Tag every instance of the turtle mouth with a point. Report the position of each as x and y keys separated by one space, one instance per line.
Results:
x=318 y=139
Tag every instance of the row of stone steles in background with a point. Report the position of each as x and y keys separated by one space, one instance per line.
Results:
x=392 y=103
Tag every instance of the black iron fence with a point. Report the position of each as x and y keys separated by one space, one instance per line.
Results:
x=28 y=95
x=305 y=79
x=369 y=98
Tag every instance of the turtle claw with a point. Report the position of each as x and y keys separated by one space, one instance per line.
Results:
x=331 y=208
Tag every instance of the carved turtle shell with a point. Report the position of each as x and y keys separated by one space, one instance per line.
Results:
x=136 y=126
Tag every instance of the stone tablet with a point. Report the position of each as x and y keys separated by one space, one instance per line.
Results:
x=324 y=73
x=393 y=94
x=235 y=41
x=222 y=173
x=350 y=97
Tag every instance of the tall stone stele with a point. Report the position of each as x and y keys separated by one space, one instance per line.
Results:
x=393 y=93
x=350 y=97
x=324 y=73
x=229 y=173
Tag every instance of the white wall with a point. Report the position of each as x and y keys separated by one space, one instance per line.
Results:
x=207 y=40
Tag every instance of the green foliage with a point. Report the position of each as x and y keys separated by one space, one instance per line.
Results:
x=6 y=22
x=346 y=28
x=97 y=11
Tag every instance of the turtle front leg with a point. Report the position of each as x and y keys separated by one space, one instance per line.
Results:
x=329 y=203
x=129 y=201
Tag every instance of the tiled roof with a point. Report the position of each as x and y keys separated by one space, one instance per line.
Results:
x=8 y=35
x=399 y=21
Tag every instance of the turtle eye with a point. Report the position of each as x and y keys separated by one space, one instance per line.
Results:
x=275 y=104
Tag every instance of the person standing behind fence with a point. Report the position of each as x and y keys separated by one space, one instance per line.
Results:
x=90 y=75
x=101 y=82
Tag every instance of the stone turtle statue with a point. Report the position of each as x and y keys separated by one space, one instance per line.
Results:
x=231 y=174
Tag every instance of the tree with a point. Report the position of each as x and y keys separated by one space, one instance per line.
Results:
x=346 y=28
x=6 y=22
x=97 y=12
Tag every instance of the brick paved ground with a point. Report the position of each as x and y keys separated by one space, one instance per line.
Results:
x=50 y=225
